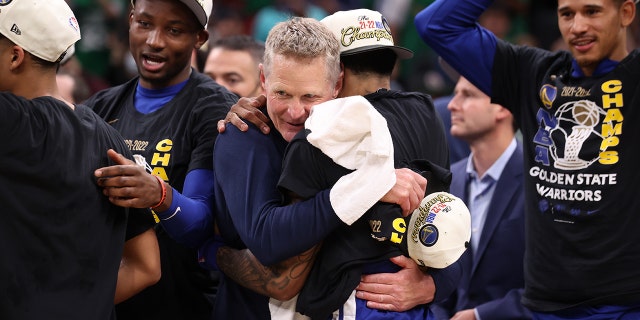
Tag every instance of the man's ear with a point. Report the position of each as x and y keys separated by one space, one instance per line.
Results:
x=339 y=83
x=203 y=36
x=627 y=12
x=17 y=57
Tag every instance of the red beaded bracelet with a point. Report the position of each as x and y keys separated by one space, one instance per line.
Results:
x=164 y=193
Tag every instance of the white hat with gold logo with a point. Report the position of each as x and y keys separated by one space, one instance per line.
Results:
x=439 y=231
x=363 y=30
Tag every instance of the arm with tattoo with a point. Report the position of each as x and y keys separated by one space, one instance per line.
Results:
x=281 y=281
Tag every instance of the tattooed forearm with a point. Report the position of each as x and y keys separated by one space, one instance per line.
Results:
x=281 y=281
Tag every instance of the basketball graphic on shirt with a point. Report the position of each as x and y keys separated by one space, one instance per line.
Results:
x=577 y=123
x=585 y=114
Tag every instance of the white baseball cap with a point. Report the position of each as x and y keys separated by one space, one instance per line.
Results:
x=44 y=28
x=363 y=30
x=201 y=8
x=439 y=230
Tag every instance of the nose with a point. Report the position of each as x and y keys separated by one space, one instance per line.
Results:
x=154 y=39
x=580 y=24
x=299 y=111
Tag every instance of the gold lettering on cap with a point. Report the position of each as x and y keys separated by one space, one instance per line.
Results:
x=353 y=34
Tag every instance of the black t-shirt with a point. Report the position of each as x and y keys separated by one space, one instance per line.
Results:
x=60 y=237
x=174 y=140
x=581 y=155
x=418 y=135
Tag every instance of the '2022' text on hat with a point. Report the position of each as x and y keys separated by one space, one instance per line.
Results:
x=363 y=30
x=45 y=28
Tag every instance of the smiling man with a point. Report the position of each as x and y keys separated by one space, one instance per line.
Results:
x=167 y=116
x=581 y=252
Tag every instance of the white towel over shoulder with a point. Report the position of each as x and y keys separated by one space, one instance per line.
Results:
x=355 y=135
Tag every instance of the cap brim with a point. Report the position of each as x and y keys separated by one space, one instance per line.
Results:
x=403 y=53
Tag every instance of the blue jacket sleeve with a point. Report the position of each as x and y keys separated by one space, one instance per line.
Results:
x=247 y=168
x=189 y=219
x=449 y=27
x=446 y=280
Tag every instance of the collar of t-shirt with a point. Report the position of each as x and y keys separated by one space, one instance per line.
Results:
x=605 y=66
x=150 y=100
x=481 y=191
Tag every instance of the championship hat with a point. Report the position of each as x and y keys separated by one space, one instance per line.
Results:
x=439 y=230
x=201 y=8
x=363 y=30
x=45 y=29
x=435 y=235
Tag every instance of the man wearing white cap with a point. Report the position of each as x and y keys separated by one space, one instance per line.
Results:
x=167 y=116
x=62 y=240
x=368 y=55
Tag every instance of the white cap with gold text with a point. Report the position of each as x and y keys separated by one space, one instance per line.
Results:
x=439 y=230
x=363 y=30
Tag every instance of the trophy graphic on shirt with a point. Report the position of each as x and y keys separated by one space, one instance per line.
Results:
x=576 y=122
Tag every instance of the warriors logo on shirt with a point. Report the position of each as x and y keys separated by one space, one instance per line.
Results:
x=548 y=95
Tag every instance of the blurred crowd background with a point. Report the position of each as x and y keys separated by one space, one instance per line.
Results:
x=102 y=59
